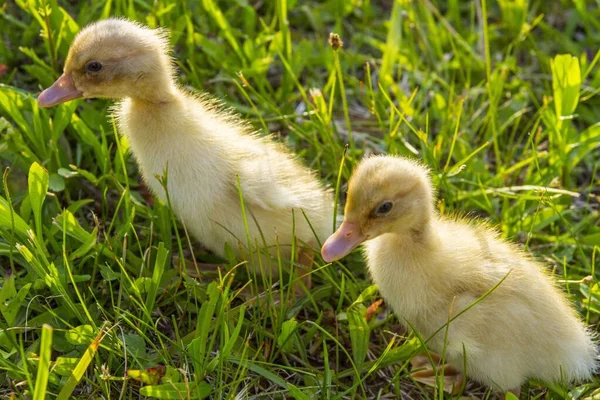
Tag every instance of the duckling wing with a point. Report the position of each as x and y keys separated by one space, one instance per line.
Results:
x=275 y=182
x=267 y=195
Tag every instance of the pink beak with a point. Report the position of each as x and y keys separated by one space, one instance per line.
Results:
x=342 y=242
x=61 y=91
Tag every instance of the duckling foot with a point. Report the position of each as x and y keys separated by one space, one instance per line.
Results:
x=426 y=374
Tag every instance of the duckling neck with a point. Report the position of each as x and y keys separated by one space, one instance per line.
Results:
x=418 y=239
x=156 y=93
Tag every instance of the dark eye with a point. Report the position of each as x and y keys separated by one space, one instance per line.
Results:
x=384 y=208
x=93 y=66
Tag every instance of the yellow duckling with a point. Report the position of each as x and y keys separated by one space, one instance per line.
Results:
x=203 y=148
x=429 y=268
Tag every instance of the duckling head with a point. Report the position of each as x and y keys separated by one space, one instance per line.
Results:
x=386 y=194
x=115 y=58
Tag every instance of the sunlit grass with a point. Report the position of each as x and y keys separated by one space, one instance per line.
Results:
x=502 y=109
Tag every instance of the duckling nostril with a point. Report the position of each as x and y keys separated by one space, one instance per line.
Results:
x=342 y=242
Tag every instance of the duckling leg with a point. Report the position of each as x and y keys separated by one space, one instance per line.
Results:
x=302 y=273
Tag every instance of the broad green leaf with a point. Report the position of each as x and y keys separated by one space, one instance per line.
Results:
x=135 y=345
x=566 y=83
x=178 y=391
x=591 y=297
x=56 y=183
x=514 y=15
x=87 y=136
x=86 y=246
x=11 y=301
x=66 y=173
x=8 y=217
x=108 y=274
x=171 y=375
x=142 y=284
x=38 y=187
x=83 y=334
x=366 y=294
x=593 y=239
x=285 y=341
x=7 y=293
x=73 y=228
x=76 y=205
x=87 y=175
x=62 y=117
x=64 y=366
x=149 y=376
x=12 y=101
x=587 y=141
x=8 y=289
x=43 y=370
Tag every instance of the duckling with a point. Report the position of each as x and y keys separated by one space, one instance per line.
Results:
x=203 y=148
x=430 y=268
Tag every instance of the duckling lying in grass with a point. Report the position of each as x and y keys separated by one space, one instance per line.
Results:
x=429 y=268
x=204 y=149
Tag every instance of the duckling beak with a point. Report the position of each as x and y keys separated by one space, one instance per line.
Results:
x=61 y=91
x=342 y=242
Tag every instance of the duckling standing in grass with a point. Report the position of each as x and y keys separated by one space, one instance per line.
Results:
x=204 y=149
x=429 y=269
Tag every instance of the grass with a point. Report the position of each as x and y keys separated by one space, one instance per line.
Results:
x=96 y=300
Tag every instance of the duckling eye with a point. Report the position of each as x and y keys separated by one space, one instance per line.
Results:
x=384 y=208
x=93 y=66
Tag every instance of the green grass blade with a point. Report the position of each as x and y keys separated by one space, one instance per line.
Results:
x=393 y=42
x=80 y=368
x=43 y=372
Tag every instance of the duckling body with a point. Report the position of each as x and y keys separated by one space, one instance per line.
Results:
x=203 y=148
x=525 y=324
x=204 y=154
x=430 y=269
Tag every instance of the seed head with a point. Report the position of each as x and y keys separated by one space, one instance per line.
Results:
x=335 y=41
